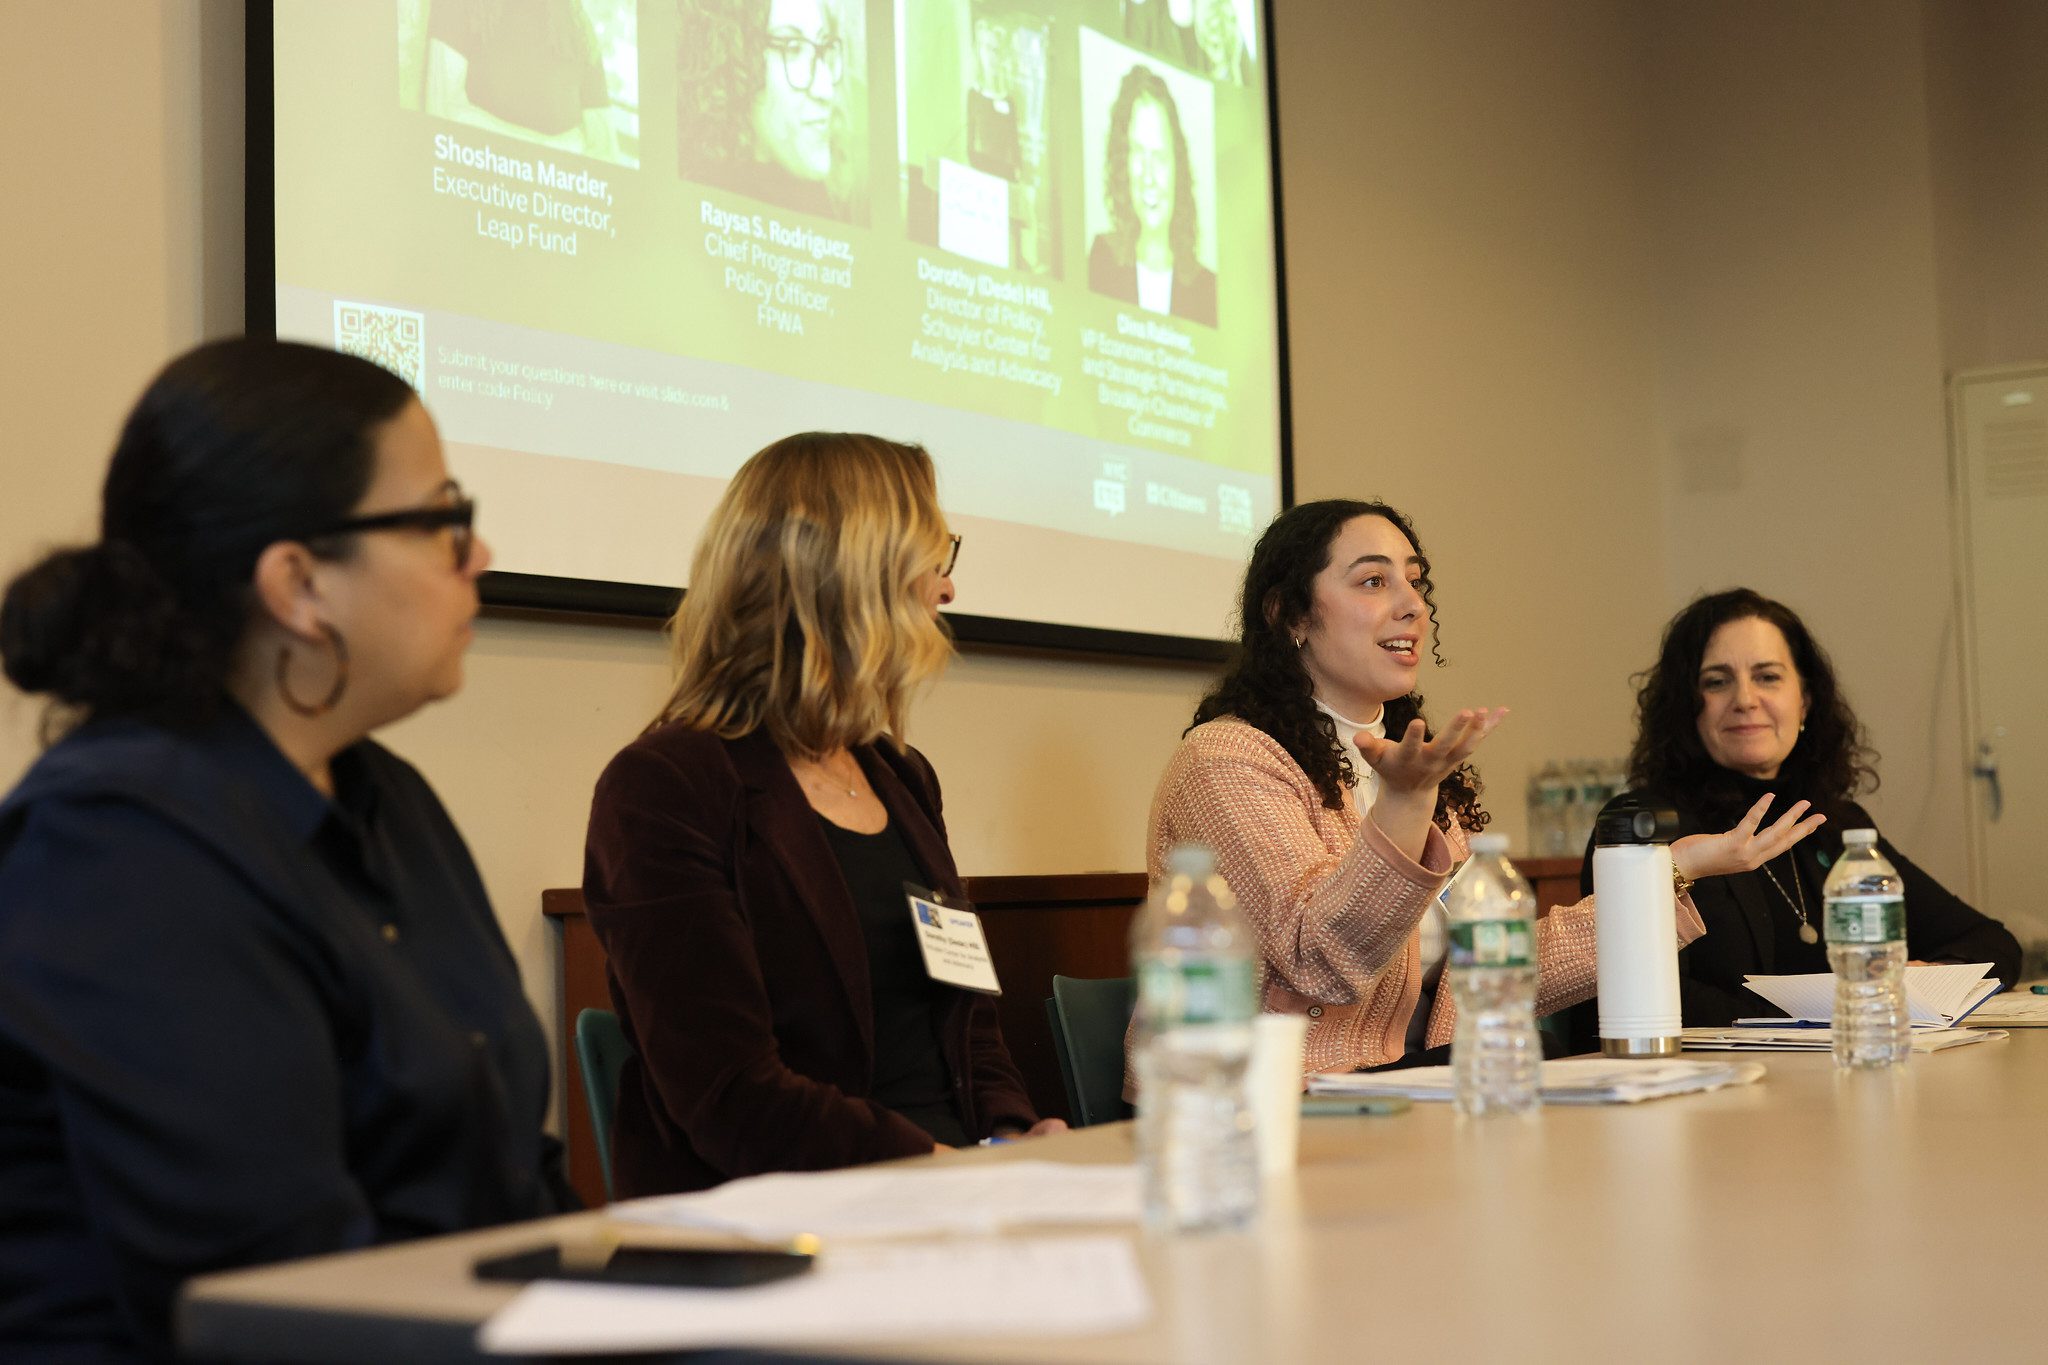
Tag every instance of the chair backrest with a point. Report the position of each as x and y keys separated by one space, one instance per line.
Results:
x=1090 y=1018
x=601 y=1051
x=1059 y=1054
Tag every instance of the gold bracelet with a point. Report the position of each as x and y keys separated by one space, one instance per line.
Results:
x=1680 y=883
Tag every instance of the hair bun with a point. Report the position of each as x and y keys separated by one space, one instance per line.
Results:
x=96 y=627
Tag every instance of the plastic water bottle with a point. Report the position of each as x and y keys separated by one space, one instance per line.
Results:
x=1193 y=955
x=1495 y=1054
x=1865 y=916
x=1554 y=786
x=1544 y=794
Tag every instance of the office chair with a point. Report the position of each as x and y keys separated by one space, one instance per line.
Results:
x=601 y=1050
x=1089 y=1019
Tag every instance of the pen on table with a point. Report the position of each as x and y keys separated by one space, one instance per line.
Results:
x=2039 y=990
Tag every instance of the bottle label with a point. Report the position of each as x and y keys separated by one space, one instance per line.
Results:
x=1493 y=943
x=1866 y=921
x=1203 y=992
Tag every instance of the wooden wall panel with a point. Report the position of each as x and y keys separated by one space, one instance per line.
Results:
x=1037 y=927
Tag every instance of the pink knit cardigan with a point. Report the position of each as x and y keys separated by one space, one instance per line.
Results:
x=1334 y=904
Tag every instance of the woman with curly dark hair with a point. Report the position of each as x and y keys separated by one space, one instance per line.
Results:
x=761 y=100
x=1336 y=815
x=1148 y=255
x=1742 y=708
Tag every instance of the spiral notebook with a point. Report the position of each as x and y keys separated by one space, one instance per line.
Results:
x=1938 y=995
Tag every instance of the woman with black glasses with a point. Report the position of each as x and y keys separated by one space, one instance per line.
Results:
x=765 y=104
x=253 y=1001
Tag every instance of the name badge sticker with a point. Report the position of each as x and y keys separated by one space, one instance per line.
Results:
x=951 y=940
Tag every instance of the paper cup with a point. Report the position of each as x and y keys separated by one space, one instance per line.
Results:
x=1274 y=1081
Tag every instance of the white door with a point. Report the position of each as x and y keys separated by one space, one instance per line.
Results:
x=1999 y=468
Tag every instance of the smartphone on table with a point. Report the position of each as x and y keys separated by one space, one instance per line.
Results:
x=675 y=1267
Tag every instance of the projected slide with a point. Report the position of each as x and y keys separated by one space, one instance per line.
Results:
x=620 y=246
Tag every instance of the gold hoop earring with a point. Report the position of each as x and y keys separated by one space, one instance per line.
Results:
x=333 y=697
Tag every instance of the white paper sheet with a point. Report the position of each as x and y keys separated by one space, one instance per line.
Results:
x=1572 y=1080
x=2014 y=1009
x=1806 y=1038
x=917 y=1201
x=1937 y=994
x=1052 y=1286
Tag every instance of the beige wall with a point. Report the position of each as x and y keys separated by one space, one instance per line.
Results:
x=1540 y=250
x=1467 y=269
x=1988 y=117
x=1801 y=388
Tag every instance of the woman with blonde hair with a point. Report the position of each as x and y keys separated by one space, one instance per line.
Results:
x=748 y=854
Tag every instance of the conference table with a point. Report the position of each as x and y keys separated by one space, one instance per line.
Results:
x=1816 y=1216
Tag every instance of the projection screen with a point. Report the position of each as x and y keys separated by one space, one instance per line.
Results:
x=620 y=246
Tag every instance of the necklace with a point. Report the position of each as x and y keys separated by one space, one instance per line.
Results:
x=820 y=774
x=1807 y=933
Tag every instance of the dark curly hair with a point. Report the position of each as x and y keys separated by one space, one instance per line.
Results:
x=721 y=71
x=1831 y=761
x=1266 y=686
x=235 y=445
x=1142 y=82
x=721 y=55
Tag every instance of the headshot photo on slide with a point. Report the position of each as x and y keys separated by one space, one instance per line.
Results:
x=563 y=74
x=771 y=102
x=979 y=179
x=1211 y=38
x=1150 y=179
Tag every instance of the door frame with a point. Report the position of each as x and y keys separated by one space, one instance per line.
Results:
x=1960 y=533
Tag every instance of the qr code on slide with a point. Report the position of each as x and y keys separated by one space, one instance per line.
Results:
x=393 y=337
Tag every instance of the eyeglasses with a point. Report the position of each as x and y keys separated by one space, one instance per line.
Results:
x=802 y=58
x=457 y=517
x=952 y=557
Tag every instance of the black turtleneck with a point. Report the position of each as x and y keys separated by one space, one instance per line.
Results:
x=1753 y=930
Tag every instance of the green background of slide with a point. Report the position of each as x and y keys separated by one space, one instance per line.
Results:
x=357 y=215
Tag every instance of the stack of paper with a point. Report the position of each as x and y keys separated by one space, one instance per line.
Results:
x=900 y=1201
x=1059 y=1286
x=1574 y=1080
x=1817 y=1038
x=1937 y=995
x=2014 y=1009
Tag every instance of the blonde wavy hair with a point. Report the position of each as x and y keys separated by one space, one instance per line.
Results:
x=803 y=613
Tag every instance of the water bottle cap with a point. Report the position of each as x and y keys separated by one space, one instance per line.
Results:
x=1488 y=845
x=1858 y=838
x=1629 y=820
x=1191 y=861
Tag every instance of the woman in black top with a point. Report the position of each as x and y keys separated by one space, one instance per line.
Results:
x=253 y=1001
x=748 y=853
x=1742 y=702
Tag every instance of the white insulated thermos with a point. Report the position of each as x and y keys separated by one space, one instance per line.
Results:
x=1636 y=924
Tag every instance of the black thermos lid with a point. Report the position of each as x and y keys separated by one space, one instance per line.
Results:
x=1630 y=820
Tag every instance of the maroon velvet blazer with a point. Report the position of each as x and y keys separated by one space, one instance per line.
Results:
x=735 y=959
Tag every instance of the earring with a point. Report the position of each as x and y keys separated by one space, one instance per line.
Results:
x=1299 y=641
x=333 y=697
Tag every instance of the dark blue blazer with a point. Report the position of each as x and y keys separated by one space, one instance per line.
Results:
x=241 y=1023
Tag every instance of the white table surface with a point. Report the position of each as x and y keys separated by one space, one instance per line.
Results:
x=1815 y=1216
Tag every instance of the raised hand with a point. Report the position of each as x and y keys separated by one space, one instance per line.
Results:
x=1415 y=764
x=1411 y=771
x=1745 y=847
